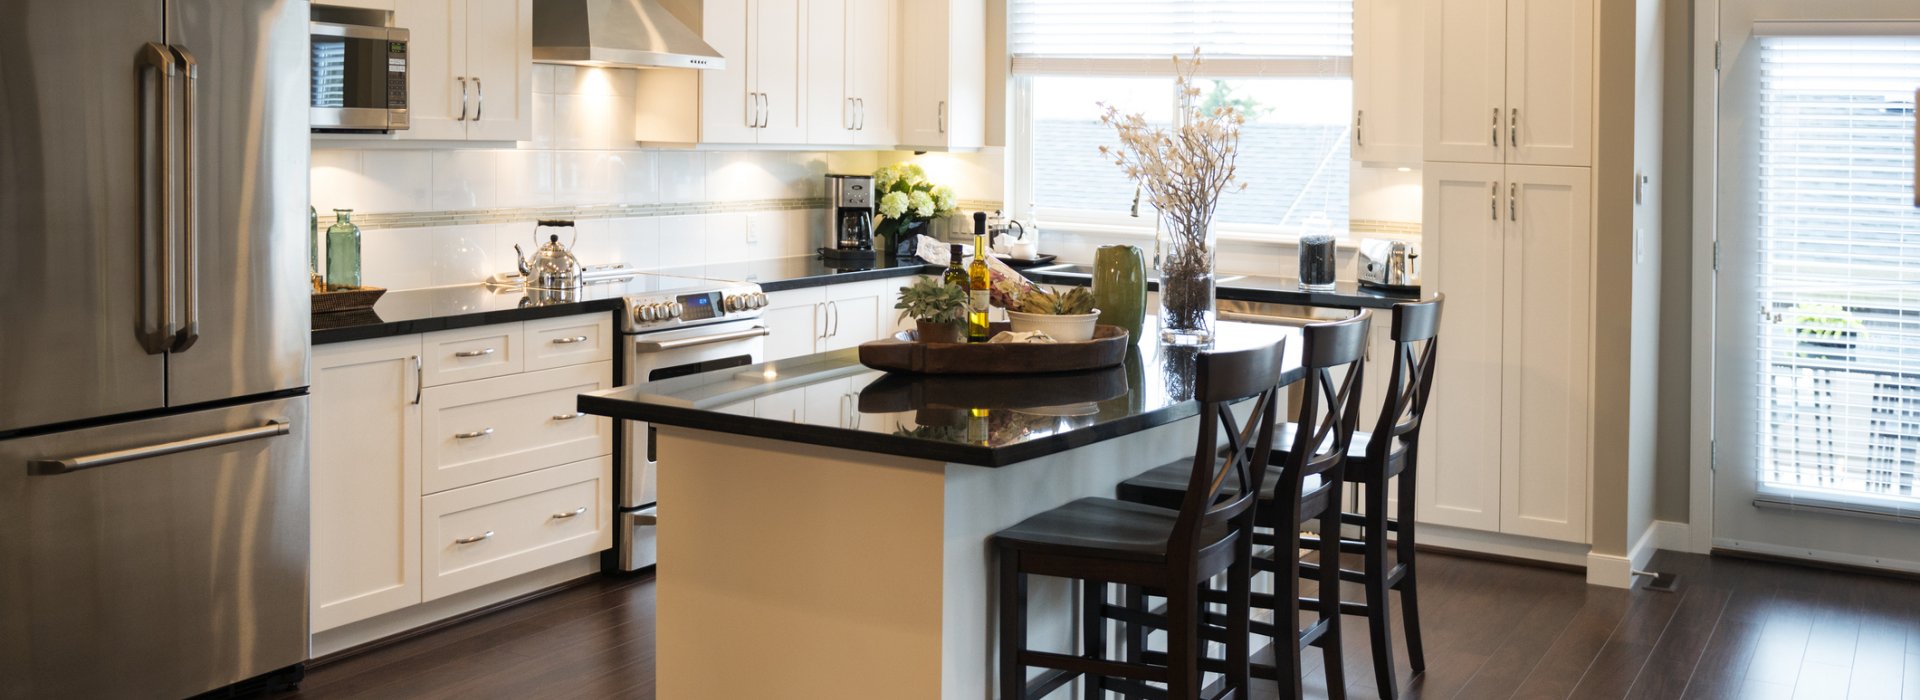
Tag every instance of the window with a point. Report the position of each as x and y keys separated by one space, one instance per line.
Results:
x=1285 y=62
x=1838 y=372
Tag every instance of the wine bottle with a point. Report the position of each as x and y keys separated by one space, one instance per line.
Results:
x=956 y=275
x=979 y=282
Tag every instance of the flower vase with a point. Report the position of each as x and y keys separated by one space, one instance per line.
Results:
x=1120 y=287
x=1187 y=311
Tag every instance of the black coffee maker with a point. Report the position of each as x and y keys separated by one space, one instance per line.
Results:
x=852 y=233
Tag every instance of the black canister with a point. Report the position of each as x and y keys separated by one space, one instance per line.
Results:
x=1317 y=266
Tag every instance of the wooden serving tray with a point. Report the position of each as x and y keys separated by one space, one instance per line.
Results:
x=894 y=393
x=338 y=299
x=904 y=353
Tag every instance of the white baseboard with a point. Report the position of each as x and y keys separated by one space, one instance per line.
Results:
x=1676 y=537
x=1616 y=571
x=1817 y=555
x=1498 y=544
x=354 y=634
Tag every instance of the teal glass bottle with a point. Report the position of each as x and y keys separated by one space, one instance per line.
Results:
x=1120 y=287
x=343 y=251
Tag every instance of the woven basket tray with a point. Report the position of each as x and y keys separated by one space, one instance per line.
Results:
x=338 y=299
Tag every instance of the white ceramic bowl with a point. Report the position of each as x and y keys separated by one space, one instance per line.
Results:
x=1066 y=329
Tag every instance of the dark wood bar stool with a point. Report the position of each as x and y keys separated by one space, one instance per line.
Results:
x=1303 y=489
x=1102 y=541
x=1375 y=458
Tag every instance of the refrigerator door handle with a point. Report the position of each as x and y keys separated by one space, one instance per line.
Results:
x=190 y=176
x=44 y=467
x=161 y=61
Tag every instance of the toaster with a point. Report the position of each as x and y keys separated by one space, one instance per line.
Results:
x=1389 y=265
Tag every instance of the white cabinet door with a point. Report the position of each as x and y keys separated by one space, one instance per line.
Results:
x=923 y=100
x=853 y=313
x=829 y=89
x=1545 y=348
x=872 y=54
x=1388 y=67
x=778 y=57
x=728 y=107
x=1459 y=471
x=1549 y=56
x=793 y=321
x=436 y=68
x=831 y=404
x=366 y=479
x=1466 y=53
x=499 y=43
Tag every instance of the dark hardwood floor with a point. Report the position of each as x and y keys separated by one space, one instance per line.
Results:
x=1732 y=629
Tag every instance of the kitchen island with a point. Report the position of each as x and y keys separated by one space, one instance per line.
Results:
x=828 y=533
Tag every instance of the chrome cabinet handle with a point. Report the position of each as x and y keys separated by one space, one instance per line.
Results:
x=1513 y=128
x=479 y=98
x=569 y=416
x=44 y=467
x=820 y=320
x=573 y=513
x=1493 y=201
x=474 y=353
x=846 y=117
x=482 y=537
x=766 y=111
x=1496 y=127
x=1513 y=201
x=190 y=331
x=943 y=116
x=833 y=317
x=463 y=99
x=419 y=380
x=1359 y=120
x=570 y=341
x=161 y=61
x=753 y=110
x=860 y=110
x=483 y=432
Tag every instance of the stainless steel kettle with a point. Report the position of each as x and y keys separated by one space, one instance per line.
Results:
x=552 y=266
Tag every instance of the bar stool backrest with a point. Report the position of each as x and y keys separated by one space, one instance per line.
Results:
x=1416 y=342
x=1330 y=407
x=1223 y=379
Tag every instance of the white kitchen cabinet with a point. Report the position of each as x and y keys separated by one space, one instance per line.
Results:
x=854 y=312
x=850 y=63
x=1388 y=80
x=756 y=98
x=470 y=69
x=488 y=532
x=487 y=429
x=1507 y=443
x=792 y=318
x=833 y=317
x=943 y=98
x=366 y=479
x=1512 y=81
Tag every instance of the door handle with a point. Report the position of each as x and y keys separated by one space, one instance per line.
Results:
x=1493 y=202
x=43 y=467
x=1513 y=128
x=463 y=99
x=846 y=120
x=483 y=432
x=1513 y=201
x=833 y=318
x=1359 y=122
x=482 y=537
x=479 y=98
x=474 y=353
x=753 y=110
x=766 y=110
x=1496 y=128
x=943 y=116
x=569 y=416
x=419 y=380
x=190 y=331
x=161 y=61
x=860 y=104
x=570 y=514
x=570 y=341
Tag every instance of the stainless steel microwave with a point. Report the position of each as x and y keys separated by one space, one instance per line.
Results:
x=359 y=77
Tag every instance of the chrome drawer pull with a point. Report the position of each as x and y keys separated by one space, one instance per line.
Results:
x=483 y=432
x=570 y=341
x=568 y=416
x=474 y=353
x=477 y=538
x=564 y=516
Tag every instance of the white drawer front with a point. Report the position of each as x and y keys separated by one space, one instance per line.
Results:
x=488 y=532
x=466 y=354
x=570 y=340
x=493 y=428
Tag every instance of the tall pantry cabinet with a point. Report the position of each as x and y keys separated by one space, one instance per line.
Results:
x=1508 y=239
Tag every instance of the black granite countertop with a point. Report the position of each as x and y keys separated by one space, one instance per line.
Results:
x=800 y=272
x=986 y=421
x=442 y=308
x=1273 y=290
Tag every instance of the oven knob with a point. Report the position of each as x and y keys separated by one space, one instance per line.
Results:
x=759 y=300
x=645 y=312
x=660 y=312
x=675 y=309
x=733 y=303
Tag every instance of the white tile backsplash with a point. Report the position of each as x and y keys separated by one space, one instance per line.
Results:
x=683 y=241
x=396 y=181
x=682 y=176
x=465 y=180
x=397 y=258
x=468 y=254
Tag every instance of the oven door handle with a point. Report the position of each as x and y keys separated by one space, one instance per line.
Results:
x=645 y=347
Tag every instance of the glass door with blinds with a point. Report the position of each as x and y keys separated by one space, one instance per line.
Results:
x=1817 y=294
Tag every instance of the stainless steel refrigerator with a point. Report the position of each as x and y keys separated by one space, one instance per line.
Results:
x=153 y=345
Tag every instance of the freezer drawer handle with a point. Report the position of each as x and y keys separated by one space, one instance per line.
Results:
x=482 y=537
x=74 y=464
x=474 y=353
x=574 y=512
x=570 y=341
x=649 y=346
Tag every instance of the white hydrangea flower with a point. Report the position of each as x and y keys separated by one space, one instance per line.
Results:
x=893 y=204
x=944 y=199
x=922 y=204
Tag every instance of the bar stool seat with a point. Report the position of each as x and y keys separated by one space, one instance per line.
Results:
x=1165 y=485
x=1110 y=529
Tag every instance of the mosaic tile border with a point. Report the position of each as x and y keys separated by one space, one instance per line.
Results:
x=1382 y=226
x=467 y=217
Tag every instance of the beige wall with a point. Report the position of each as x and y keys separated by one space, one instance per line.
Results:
x=1613 y=276
x=1676 y=277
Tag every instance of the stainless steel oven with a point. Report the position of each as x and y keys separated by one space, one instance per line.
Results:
x=359 y=77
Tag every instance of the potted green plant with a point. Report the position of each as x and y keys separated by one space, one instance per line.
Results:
x=1064 y=316
x=908 y=202
x=939 y=310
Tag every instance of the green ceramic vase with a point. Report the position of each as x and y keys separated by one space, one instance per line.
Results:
x=1120 y=287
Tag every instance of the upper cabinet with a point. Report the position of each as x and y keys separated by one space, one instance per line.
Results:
x=470 y=69
x=1388 y=67
x=756 y=99
x=850 y=72
x=943 y=99
x=1514 y=81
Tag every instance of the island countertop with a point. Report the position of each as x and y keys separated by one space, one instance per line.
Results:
x=830 y=399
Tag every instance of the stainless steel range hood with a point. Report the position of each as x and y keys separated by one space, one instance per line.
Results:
x=617 y=33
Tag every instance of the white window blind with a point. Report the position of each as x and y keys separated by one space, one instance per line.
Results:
x=1838 y=375
x=1137 y=37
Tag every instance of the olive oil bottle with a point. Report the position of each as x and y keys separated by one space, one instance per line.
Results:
x=979 y=282
x=956 y=275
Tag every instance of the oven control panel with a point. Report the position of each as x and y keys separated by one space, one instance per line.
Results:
x=695 y=308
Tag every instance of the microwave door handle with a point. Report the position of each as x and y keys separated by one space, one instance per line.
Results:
x=647 y=347
x=190 y=331
x=161 y=61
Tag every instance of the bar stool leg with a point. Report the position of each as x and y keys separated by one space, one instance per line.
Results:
x=1136 y=634
x=1329 y=594
x=1013 y=627
x=1183 y=643
x=1239 y=613
x=1286 y=615
x=1409 y=586
x=1379 y=608
x=1093 y=635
